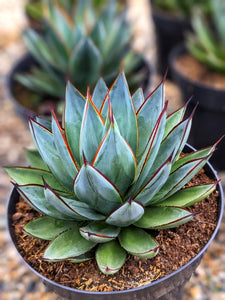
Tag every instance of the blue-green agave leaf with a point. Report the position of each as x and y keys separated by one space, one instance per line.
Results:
x=154 y=184
x=37 y=46
x=138 y=242
x=46 y=227
x=35 y=160
x=86 y=61
x=74 y=108
x=184 y=137
x=59 y=50
x=96 y=190
x=189 y=196
x=115 y=159
x=98 y=35
x=63 y=148
x=45 y=123
x=144 y=172
x=138 y=98
x=175 y=118
x=27 y=175
x=193 y=156
x=179 y=178
x=44 y=141
x=110 y=257
x=123 y=110
x=68 y=244
x=99 y=93
x=35 y=196
x=128 y=213
x=99 y=232
x=152 y=106
x=61 y=21
x=91 y=130
x=76 y=210
x=117 y=39
x=164 y=217
x=171 y=144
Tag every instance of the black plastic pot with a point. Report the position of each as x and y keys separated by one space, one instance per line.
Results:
x=168 y=287
x=170 y=31
x=24 y=65
x=41 y=107
x=209 y=119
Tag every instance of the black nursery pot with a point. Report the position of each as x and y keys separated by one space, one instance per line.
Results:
x=23 y=65
x=168 y=287
x=170 y=31
x=209 y=120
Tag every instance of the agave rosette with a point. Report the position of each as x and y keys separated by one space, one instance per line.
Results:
x=207 y=41
x=81 y=46
x=109 y=174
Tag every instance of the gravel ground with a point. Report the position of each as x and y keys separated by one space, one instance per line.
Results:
x=16 y=281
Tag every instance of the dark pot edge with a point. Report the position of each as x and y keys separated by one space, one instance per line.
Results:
x=208 y=168
x=162 y=14
x=23 y=111
x=175 y=53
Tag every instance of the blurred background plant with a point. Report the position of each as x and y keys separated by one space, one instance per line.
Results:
x=81 y=45
x=35 y=8
x=207 y=42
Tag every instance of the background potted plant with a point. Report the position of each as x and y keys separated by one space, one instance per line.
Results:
x=81 y=47
x=199 y=70
x=172 y=19
x=35 y=9
x=107 y=185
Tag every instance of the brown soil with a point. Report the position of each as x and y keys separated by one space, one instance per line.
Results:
x=195 y=71
x=177 y=247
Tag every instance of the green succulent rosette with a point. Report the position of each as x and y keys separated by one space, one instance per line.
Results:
x=108 y=174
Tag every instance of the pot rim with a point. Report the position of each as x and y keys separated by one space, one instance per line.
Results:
x=176 y=52
x=209 y=168
x=168 y=16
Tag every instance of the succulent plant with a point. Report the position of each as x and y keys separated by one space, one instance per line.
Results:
x=109 y=174
x=183 y=8
x=81 y=47
x=207 y=43
x=35 y=8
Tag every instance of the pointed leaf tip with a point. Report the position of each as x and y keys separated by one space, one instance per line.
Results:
x=165 y=75
x=84 y=158
x=216 y=143
x=111 y=117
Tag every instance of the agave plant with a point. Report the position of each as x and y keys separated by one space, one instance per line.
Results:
x=207 y=45
x=80 y=47
x=109 y=174
x=35 y=8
